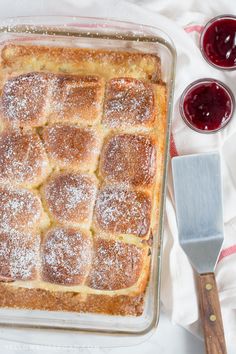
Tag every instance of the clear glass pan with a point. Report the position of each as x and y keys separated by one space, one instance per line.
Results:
x=106 y=34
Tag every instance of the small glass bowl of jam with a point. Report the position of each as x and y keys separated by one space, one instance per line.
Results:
x=206 y=105
x=218 y=42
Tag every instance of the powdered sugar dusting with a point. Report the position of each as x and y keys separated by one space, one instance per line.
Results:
x=66 y=256
x=23 y=99
x=19 y=209
x=116 y=265
x=128 y=102
x=129 y=159
x=121 y=210
x=69 y=255
x=76 y=98
x=69 y=144
x=18 y=255
x=70 y=197
x=22 y=158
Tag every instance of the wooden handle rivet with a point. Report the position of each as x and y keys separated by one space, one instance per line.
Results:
x=212 y=318
x=209 y=286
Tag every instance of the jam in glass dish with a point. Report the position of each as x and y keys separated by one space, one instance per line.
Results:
x=206 y=105
x=218 y=42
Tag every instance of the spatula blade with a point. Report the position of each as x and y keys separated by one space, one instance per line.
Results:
x=198 y=198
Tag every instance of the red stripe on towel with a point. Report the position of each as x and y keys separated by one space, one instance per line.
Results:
x=194 y=28
x=173 y=149
x=227 y=252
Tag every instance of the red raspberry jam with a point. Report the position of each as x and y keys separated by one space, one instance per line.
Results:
x=206 y=105
x=218 y=42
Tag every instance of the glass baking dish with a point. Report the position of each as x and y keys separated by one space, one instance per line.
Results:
x=105 y=34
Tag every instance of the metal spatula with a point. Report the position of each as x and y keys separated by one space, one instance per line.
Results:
x=198 y=197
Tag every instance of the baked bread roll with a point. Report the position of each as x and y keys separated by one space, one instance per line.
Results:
x=24 y=101
x=129 y=103
x=129 y=159
x=23 y=159
x=66 y=256
x=126 y=261
x=82 y=144
x=18 y=255
x=76 y=99
x=20 y=209
x=69 y=146
x=69 y=198
x=123 y=211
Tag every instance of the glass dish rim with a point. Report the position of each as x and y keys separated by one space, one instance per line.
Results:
x=155 y=39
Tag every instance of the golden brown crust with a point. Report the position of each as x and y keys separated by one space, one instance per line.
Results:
x=66 y=256
x=69 y=197
x=23 y=160
x=69 y=146
x=20 y=209
x=18 y=255
x=125 y=260
x=23 y=101
x=76 y=99
x=70 y=301
x=120 y=210
x=129 y=159
x=81 y=61
x=129 y=102
x=33 y=99
x=73 y=147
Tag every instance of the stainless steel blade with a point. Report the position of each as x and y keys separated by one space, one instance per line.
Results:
x=198 y=198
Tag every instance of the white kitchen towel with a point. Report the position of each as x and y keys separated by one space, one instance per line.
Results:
x=183 y=21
